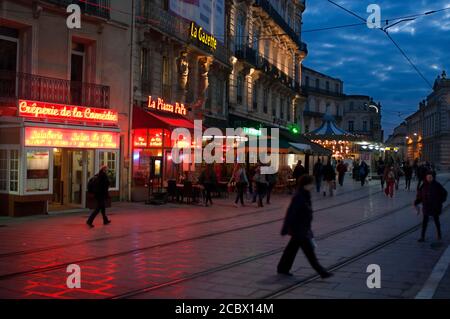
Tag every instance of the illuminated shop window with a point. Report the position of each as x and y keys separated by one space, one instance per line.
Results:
x=37 y=177
x=14 y=171
x=3 y=170
x=110 y=158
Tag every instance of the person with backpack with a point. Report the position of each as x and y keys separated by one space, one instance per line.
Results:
x=432 y=196
x=297 y=224
x=99 y=185
x=239 y=177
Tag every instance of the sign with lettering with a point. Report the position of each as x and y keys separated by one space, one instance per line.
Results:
x=159 y=104
x=197 y=32
x=44 y=110
x=56 y=137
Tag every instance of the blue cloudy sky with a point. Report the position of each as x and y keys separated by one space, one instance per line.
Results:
x=368 y=62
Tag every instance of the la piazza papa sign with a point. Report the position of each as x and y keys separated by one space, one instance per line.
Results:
x=197 y=32
x=159 y=104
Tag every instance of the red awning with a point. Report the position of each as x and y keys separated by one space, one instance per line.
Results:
x=144 y=119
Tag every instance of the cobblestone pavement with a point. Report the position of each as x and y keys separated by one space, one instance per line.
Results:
x=187 y=251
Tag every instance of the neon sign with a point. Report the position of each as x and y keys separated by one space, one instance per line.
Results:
x=197 y=32
x=55 y=137
x=159 y=104
x=252 y=131
x=42 y=110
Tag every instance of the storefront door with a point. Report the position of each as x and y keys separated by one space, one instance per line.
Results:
x=72 y=169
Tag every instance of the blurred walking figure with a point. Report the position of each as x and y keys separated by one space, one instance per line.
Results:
x=271 y=182
x=408 y=170
x=363 y=172
x=398 y=174
x=297 y=224
x=390 y=181
x=432 y=196
x=421 y=173
x=381 y=172
x=261 y=185
x=99 y=185
x=299 y=170
x=329 y=175
x=318 y=174
x=341 y=169
x=208 y=179
x=239 y=177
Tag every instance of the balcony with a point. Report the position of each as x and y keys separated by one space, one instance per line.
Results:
x=26 y=86
x=172 y=25
x=311 y=89
x=98 y=8
x=278 y=19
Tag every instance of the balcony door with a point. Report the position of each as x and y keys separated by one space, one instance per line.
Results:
x=9 y=46
x=77 y=62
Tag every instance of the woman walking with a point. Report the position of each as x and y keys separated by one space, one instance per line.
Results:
x=390 y=182
x=240 y=178
x=297 y=224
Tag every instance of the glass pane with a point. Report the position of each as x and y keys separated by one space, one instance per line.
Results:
x=37 y=178
x=3 y=170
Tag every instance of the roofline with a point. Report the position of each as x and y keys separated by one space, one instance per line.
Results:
x=322 y=74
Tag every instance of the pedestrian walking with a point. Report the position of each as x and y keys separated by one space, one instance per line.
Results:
x=99 y=185
x=421 y=172
x=208 y=180
x=239 y=177
x=261 y=186
x=381 y=172
x=271 y=182
x=341 y=169
x=329 y=176
x=299 y=170
x=390 y=181
x=297 y=224
x=398 y=171
x=318 y=174
x=432 y=196
x=363 y=172
x=408 y=170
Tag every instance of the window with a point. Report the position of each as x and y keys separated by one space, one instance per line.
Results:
x=282 y=108
x=219 y=95
x=288 y=111
x=255 y=96
x=265 y=100
x=351 y=126
x=338 y=110
x=145 y=68
x=3 y=170
x=37 y=178
x=351 y=106
x=166 y=78
x=239 y=88
x=274 y=105
x=328 y=86
x=307 y=81
x=336 y=88
x=240 y=31
x=365 y=126
x=9 y=170
x=317 y=83
x=109 y=158
x=256 y=36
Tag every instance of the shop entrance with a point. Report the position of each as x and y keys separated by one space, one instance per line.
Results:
x=72 y=169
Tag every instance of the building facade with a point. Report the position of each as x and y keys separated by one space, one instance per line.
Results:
x=428 y=129
x=264 y=85
x=64 y=103
x=324 y=94
x=396 y=142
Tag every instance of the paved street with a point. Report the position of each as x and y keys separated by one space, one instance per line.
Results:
x=186 y=251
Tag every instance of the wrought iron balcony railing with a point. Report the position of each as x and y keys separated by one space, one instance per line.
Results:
x=40 y=88
x=273 y=13
x=312 y=89
x=168 y=23
x=98 y=8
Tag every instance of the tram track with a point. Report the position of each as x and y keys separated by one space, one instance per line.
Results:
x=253 y=212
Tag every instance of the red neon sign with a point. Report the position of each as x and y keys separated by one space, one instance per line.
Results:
x=43 y=110
x=55 y=137
x=159 y=104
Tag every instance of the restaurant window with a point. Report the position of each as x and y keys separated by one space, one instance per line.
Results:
x=110 y=158
x=9 y=171
x=37 y=177
x=3 y=170
x=239 y=88
x=166 y=79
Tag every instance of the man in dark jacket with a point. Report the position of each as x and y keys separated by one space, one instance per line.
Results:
x=318 y=174
x=297 y=224
x=329 y=176
x=432 y=196
x=408 y=170
x=101 y=195
x=341 y=169
x=299 y=170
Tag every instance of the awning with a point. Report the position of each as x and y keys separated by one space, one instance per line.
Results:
x=300 y=147
x=145 y=119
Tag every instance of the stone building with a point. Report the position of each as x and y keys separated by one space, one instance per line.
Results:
x=70 y=78
x=428 y=129
x=324 y=94
x=264 y=85
x=396 y=142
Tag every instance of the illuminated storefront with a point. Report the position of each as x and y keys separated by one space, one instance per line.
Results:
x=49 y=151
